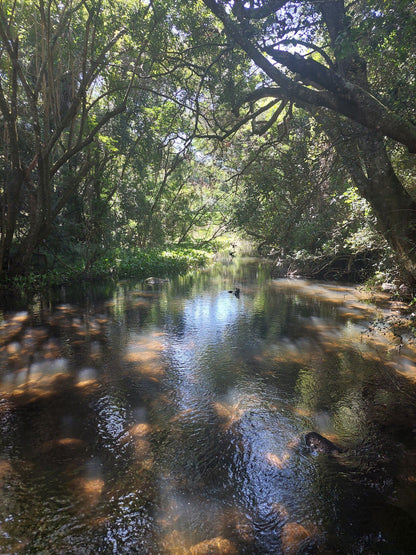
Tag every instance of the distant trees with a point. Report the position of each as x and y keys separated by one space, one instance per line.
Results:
x=297 y=202
x=97 y=130
x=290 y=192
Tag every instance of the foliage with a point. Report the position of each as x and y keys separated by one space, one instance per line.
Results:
x=130 y=126
x=116 y=264
x=101 y=154
x=316 y=56
x=287 y=194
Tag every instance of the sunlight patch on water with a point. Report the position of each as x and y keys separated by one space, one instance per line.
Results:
x=229 y=414
x=39 y=379
x=88 y=491
x=294 y=538
x=144 y=352
x=176 y=422
x=183 y=519
x=86 y=377
x=405 y=366
x=346 y=300
x=218 y=545
x=6 y=470
x=275 y=460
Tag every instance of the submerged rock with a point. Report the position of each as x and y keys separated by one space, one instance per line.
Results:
x=214 y=546
x=320 y=444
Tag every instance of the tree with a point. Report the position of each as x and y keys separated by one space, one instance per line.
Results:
x=97 y=114
x=289 y=189
x=312 y=54
x=66 y=70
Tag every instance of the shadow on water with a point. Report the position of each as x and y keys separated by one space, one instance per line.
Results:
x=171 y=418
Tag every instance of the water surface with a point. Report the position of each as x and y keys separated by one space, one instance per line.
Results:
x=171 y=419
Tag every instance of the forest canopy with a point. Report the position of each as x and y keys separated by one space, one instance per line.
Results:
x=130 y=125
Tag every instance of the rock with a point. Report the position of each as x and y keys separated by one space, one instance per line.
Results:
x=214 y=546
x=235 y=291
x=156 y=281
x=294 y=537
x=320 y=444
x=388 y=287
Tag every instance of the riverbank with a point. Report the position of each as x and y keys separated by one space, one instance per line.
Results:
x=354 y=267
x=396 y=319
x=117 y=263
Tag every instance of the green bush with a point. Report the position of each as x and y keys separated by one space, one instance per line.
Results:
x=117 y=264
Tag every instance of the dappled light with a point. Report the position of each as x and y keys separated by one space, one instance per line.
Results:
x=275 y=460
x=178 y=424
x=149 y=403
x=294 y=535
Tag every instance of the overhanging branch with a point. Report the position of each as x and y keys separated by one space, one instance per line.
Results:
x=340 y=95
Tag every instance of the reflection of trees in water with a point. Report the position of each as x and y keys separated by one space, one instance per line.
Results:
x=172 y=422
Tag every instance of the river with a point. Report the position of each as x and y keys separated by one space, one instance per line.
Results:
x=170 y=418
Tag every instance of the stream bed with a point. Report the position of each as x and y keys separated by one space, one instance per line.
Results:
x=170 y=418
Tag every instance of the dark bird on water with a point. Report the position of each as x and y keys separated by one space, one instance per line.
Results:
x=236 y=292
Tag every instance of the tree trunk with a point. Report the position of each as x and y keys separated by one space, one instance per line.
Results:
x=365 y=158
x=11 y=203
x=394 y=208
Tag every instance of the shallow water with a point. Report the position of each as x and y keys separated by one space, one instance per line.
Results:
x=171 y=419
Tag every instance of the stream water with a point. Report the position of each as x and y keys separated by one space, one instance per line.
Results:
x=171 y=419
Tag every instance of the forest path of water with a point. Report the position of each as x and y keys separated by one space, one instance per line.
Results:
x=171 y=418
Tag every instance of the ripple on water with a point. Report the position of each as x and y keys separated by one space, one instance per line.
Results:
x=196 y=433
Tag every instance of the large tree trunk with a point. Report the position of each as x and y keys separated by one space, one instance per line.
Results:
x=394 y=208
x=366 y=160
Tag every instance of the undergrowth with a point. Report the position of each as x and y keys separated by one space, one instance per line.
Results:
x=115 y=264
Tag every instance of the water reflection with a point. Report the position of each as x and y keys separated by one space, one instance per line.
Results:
x=170 y=418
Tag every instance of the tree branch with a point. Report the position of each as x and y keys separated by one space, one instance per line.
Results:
x=268 y=8
x=341 y=95
x=87 y=141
